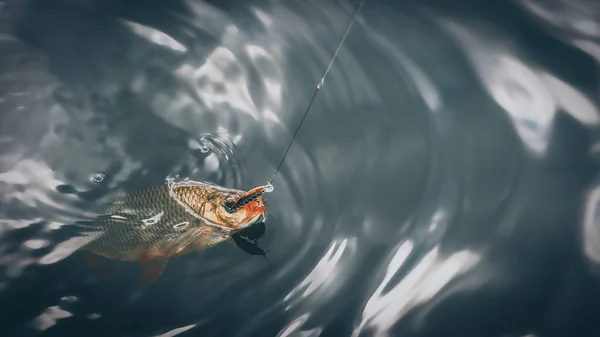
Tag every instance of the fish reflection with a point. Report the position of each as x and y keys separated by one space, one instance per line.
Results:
x=156 y=224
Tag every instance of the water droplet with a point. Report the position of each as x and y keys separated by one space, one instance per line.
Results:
x=201 y=145
x=97 y=177
x=180 y=226
x=153 y=220
x=269 y=188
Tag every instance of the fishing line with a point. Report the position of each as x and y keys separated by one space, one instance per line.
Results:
x=312 y=99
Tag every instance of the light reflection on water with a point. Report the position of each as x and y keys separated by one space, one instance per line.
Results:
x=435 y=171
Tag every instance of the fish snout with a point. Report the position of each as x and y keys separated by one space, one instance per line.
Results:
x=254 y=212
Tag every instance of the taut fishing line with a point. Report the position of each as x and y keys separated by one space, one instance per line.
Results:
x=312 y=99
x=269 y=187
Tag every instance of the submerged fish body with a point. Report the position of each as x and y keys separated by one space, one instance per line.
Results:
x=156 y=224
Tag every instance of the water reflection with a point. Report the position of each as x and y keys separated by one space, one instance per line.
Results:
x=442 y=167
x=156 y=36
x=389 y=303
x=177 y=331
x=590 y=233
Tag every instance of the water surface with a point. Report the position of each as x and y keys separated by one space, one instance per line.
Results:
x=442 y=185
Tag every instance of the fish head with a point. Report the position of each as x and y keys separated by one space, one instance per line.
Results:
x=240 y=211
x=232 y=209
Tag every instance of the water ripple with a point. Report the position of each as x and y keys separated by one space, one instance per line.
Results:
x=435 y=165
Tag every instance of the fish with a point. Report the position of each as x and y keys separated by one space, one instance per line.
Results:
x=158 y=223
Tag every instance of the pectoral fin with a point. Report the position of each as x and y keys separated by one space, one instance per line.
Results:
x=152 y=266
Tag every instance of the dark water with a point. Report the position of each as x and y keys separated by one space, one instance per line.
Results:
x=444 y=183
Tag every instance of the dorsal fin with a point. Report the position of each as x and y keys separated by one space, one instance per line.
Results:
x=152 y=266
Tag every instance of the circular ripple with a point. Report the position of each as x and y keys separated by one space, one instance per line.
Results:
x=407 y=174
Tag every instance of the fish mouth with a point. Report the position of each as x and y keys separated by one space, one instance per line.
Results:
x=257 y=218
x=253 y=194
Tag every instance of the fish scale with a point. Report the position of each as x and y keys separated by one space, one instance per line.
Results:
x=154 y=224
x=126 y=239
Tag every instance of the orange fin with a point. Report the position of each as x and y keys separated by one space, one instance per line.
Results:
x=99 y=265
x=152 y=267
